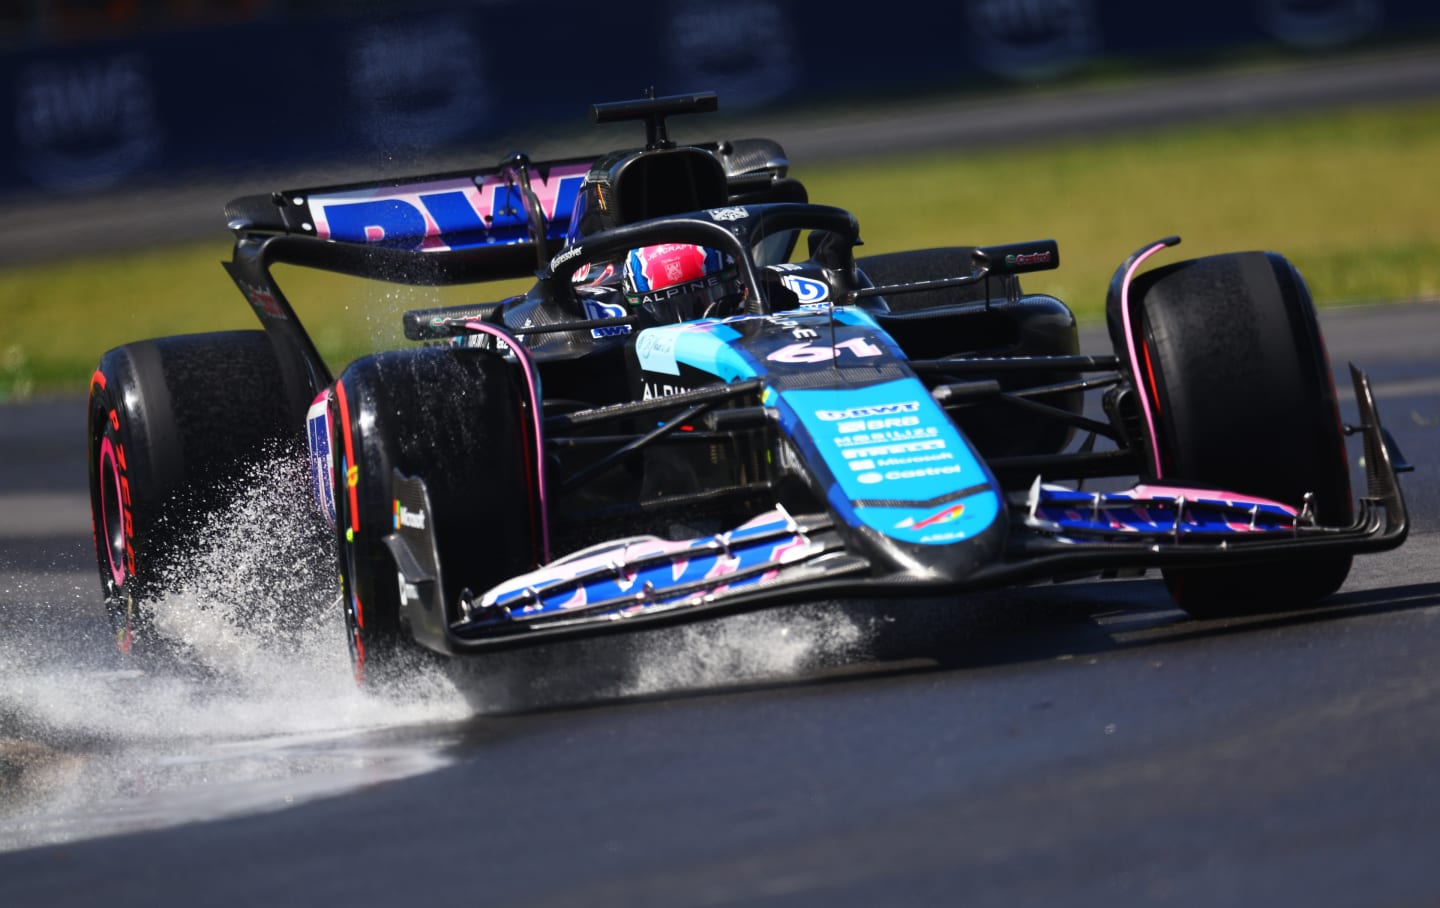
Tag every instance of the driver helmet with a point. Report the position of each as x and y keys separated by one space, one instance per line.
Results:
x=677 y=282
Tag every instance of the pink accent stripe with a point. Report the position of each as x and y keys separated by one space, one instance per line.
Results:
x=1134 y=356
x=532 y=379
x=107 y=452
x=1190 y=494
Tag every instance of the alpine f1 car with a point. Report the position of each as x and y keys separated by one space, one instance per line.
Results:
x=707 y=403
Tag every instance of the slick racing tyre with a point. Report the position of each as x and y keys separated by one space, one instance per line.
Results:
x=928 y=265
x=1240 y=382
x=174 y=425
x=457 y=420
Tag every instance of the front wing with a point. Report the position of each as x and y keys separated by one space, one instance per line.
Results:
x=779 y=558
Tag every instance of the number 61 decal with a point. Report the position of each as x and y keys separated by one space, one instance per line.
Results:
x=804 y=352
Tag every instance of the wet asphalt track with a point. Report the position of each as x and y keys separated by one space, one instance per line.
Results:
x=1072 y=745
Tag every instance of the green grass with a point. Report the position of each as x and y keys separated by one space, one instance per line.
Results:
x=1348 y=196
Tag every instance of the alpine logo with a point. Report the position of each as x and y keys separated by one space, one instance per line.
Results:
x=654 y=390
x=808 y=290
x=944 y=516
x=909 y=406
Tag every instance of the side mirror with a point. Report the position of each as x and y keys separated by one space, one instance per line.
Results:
x=1017 y=258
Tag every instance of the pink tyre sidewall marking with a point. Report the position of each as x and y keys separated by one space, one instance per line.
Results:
x=112 y=470
x=1145 y=403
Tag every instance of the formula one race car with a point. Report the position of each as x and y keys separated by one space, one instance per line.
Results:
x=706 y=404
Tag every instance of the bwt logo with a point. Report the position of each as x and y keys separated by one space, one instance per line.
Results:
x=909 y=406
x=426 y=215
x=595 y=309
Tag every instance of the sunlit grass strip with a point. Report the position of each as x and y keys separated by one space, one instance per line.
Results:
x=1347 y=196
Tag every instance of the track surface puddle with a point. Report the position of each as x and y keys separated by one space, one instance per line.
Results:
x=255 y=708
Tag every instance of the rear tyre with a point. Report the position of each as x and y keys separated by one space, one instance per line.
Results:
x=929 y=265
x=1234 y=361
x=174 y=426
x=456 y=419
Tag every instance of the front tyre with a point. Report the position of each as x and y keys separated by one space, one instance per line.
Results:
x=1232 y=360
x=456 y=419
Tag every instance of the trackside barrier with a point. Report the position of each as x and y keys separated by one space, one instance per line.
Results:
x=284 y=89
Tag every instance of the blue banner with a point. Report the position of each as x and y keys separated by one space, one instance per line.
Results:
x=382 y=91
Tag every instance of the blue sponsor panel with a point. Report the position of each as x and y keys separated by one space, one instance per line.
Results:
x=707 y=345
x=900 y=465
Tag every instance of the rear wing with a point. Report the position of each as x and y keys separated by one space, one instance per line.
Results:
x=514 y=203
x=489 y=224
x=436 y=213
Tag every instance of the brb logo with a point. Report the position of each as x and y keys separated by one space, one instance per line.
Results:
x=444 y=214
